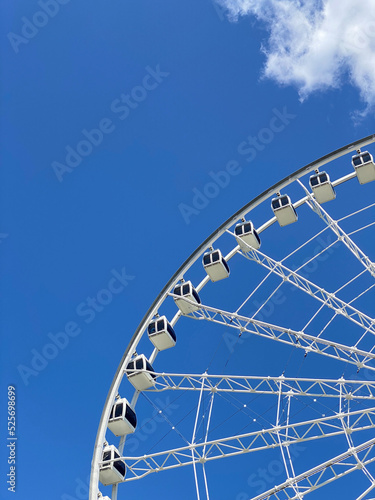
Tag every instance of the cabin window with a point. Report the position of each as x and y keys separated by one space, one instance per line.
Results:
x=130 y=416
x=171 y=332
x=247 y=227
x=284 y=201
x=357 y=161
x=160 y=325
x=150 y=369
x=226 y=265
x=185 y=289
x=323 y=178
x=196 y=296
x=177 y=290
x=314 y=180
x=206 y=259
x=366 y=157
x=275 y=204
x=106 y=456
x=131 y=365
x=215 y=256
x=238 y=230
x=151 y=328
x=120 y=466
x=118 y=410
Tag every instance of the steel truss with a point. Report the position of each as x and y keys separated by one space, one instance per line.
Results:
x=302 y=340
x=331 y=470
x=271 y=438
x=299 y=387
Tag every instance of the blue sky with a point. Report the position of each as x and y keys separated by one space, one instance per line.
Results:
x=100 y=191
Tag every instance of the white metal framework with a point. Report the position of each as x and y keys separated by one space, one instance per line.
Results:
x=267 y=413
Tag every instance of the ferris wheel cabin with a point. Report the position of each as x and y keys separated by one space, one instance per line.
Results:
x=215 y=265
x=364 y=167
x=322 y=187
x=161 y=333
x=246 y=235
x=284 y=210
x=123 y=419
x=140 y=373
x=111 y=472
x=186 y=291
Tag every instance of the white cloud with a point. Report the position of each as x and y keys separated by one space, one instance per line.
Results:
x=316 y=44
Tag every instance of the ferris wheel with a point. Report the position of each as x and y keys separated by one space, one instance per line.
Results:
x=260 y=351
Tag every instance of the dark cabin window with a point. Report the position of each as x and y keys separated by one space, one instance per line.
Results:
x=323 y=178
x=284 y=201
x=314 y=180
x=150 y=369
x=238 y=230
x=185 y=289
x=106 y=456
x=225 y=265
x=160 y=325
x=196 y=296
x=112 y=412
x=357 y=160
x=120 y=466
x=151 y=327
x=177 y=290
x=247 y=227
x=275 y=204
x=171 y=332
x=366 y=157
x=131 y=416
x=131 y=365
x=206 y=259
x=139 y=364
x=215 y=257
x=118 y=410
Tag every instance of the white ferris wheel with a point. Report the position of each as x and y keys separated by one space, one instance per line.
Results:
x=260 y=351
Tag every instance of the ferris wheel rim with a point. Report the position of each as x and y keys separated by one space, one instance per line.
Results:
x=277 y=187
